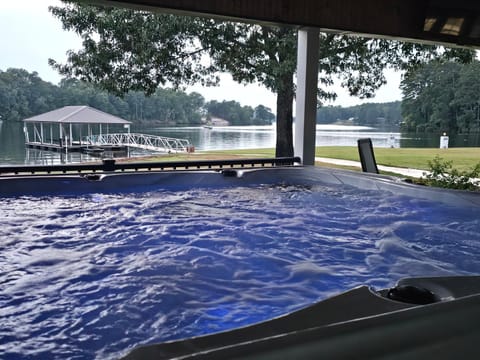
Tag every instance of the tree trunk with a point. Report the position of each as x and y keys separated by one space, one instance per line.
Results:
x=285 y=95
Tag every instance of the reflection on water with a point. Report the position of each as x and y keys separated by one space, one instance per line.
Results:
x=12 y=143
x=44 y=157
x=251 y=137
x=222 y=137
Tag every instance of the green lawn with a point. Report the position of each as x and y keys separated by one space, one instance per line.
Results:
x=416 y=158
x=210 y=155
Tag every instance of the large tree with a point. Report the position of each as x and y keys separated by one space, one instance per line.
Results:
x=23 y=94
x=442 y=97
x=126 y=49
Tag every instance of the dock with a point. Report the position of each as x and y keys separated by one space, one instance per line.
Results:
x=88 y=130
x=119 y=143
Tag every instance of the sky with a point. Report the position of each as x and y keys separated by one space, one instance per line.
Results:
x=30 y=35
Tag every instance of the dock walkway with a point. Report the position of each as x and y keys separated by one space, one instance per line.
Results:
x=140 y=141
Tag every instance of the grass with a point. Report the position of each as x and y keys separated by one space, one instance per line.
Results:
x=416 y=158
x=210 y=155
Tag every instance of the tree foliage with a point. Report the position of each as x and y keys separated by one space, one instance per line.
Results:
x=127 y=49
x=236 y=114
x=369 y=114
x=24 y=94
x=442 y=97
x=263 y=115
x=231 y=111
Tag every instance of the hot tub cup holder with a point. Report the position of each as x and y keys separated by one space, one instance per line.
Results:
x=411 y=294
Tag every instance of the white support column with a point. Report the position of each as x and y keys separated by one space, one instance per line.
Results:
x=70 y=133
x=35 y=133
x=41 y=133
x=25 y=132
x=307 y=87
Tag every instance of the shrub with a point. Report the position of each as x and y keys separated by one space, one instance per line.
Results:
x=442 y=174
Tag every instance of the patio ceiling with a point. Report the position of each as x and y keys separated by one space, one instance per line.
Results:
x=432 y=21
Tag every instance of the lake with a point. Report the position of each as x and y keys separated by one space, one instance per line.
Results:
x=12 y=148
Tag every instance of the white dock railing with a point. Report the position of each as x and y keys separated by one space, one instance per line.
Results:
x=141 y=141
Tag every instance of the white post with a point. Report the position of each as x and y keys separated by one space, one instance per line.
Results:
x=25 y=132
x=71 y=140
x=41 y=133
x=51 y=133
x=444 y=141
x=60 y=134
x=307 y=87
x=129 y=140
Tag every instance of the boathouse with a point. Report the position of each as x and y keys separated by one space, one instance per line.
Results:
x=88 y=130
x=66 y=129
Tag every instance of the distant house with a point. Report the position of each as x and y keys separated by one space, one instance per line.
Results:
x=216 y=121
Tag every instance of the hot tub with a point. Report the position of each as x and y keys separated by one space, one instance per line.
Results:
x=99 y=263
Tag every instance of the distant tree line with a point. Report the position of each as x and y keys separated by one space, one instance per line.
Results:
x=24 y=94
x=442 y=97
x=240 y=115
x=370 y=114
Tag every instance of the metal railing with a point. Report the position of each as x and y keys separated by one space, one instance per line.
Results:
x=141 y=141
x=109 y=165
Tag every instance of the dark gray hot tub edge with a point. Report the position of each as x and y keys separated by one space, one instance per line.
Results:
x=359 y=323
x=307 y=175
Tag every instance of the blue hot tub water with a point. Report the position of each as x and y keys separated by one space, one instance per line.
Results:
x=93 y=276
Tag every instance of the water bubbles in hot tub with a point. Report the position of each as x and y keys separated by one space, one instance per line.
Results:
x=92 y=276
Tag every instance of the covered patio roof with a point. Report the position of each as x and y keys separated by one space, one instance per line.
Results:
x=76 y=115
x=453 y=22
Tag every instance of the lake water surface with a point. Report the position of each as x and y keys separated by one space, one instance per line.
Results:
x=12 y=148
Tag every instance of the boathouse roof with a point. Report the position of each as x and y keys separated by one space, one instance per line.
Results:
x=76 y=115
